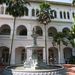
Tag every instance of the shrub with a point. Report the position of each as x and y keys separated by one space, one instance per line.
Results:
x=72 y=60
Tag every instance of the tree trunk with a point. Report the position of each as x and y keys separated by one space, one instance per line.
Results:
x=59 y=55
x=45 y=44
x=12 y=40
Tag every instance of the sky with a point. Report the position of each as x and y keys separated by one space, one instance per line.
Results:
x=67 y=1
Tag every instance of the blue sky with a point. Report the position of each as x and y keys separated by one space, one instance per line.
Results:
x=67 y=1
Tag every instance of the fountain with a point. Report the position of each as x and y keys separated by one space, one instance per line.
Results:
x=33 y=65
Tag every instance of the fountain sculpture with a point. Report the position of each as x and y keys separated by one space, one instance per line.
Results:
x=33 y=65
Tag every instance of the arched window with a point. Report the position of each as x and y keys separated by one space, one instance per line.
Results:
x=21 y=30
x=52 y=31
x=5 y=30
x=26 y=11
x=33 y=12
x=55 y=14
x=64 y=13
x=38 y=30
x=61 y=14
x=65 y=30
x=4 y=54
x=68 y=15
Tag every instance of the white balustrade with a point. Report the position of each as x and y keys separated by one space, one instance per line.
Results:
x=38 y=72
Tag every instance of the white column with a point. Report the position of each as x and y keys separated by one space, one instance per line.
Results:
x=73 y=51
x=13 y=57
x=4 y=5
x=30 y=12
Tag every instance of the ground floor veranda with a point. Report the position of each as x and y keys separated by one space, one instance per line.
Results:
x=20 y=54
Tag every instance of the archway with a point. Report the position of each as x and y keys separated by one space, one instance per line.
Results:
x=4 y=54
x=67 y=54
x=40 y=54
x=53 y=55
x=20 y=55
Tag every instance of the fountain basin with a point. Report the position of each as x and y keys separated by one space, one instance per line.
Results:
x=20 y=70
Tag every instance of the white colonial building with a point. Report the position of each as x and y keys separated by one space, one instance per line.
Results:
x=23 y=31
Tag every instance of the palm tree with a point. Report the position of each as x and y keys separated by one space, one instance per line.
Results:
x=71 y=36
x=44 y=17
x=16 y=8
x=73 y=2
x=59 y=38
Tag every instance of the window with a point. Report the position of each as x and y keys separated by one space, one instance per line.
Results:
x=73 y=14
x=64 y=13
x=37 y=12
x=33 y=12
x=38 y=30
x=21 y=30
x=68 y=15
x=61 y=14
x=5 y=30
x=52 y=31
x=66 y=30
x=26 y=11
x=55 y=14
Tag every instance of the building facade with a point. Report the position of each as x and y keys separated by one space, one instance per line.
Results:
x=23 y=30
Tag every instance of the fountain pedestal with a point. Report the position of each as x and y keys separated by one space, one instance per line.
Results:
x=32 y=59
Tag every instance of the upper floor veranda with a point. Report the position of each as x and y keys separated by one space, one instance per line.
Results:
x=63 y=11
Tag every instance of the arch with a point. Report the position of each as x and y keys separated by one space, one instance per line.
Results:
x=4 y=54
x=33 y=12
x=53 y=55
x=5 y=30
x=65 y=30
x=38 y=30
x=26 y=11
x=52 y=31
x=21 y=30
x=67 y=54
x=20 y=55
